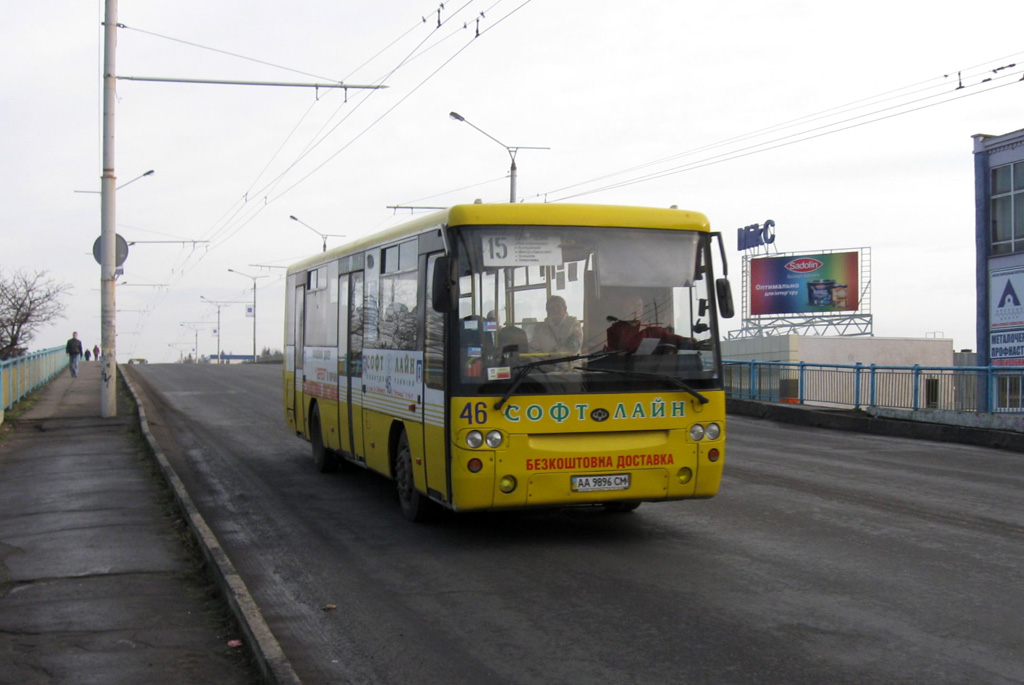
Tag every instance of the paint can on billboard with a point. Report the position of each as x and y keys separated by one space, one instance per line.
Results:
x=839 y=296
x=819 y=293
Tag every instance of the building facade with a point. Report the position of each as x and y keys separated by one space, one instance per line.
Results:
x=999 y=237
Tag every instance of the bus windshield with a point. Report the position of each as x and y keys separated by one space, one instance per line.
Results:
x=584 y=309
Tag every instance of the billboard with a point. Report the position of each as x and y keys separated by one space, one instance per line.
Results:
x=1006 y=317
x=804 y=284
x=1006 y=287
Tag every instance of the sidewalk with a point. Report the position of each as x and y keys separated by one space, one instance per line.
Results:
x=95 y=585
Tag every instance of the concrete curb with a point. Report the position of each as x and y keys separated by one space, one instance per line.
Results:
x=273 y=664
x=864 y=423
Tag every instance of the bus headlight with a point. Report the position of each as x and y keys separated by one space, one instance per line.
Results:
x=474 y=439
x=713 y=431
x=507 y=484
x=696 y=432
x=494 y=439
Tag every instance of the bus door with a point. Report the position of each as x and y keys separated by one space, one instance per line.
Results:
x=344 y=377
x=354 y=394
x=433 y=400
x=297 y=397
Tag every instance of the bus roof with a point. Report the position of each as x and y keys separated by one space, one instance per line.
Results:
x=533 y=214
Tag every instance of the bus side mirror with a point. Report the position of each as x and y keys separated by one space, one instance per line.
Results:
x=724 y=292
x=441 y=286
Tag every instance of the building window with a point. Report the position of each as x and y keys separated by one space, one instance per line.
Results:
x=1008 y=209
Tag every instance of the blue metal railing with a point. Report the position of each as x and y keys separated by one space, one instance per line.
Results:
x=996 y=389
x=21 y=375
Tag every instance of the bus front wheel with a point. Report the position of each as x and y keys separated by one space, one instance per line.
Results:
x=324 y=459
x=415 y=507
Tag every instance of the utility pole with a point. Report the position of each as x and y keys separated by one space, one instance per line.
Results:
x=218 y=305
x=108 y=193
x=253 y=309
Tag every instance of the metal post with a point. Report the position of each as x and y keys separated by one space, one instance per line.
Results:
x=254 y=321
x=512 y=176
x=856 y=385
x=253 y=278
x=108 y=190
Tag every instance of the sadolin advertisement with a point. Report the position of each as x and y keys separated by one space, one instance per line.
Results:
x=804 y=284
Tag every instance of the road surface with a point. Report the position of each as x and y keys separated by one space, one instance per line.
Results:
x=827 y=557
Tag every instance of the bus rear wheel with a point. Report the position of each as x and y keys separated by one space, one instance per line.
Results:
x=324 y=459
x=415 y=507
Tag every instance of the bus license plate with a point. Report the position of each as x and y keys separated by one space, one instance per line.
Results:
x=614 y=481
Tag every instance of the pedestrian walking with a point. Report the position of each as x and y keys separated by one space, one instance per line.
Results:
x=87 y=353
x=74 y=350
x=96 y=352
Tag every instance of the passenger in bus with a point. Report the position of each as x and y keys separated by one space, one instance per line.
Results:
x=558 y=333
x=628 y=331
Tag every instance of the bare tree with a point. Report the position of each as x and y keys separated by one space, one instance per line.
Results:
x=27 y=301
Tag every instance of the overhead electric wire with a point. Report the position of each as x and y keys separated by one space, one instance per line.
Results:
x=270 y=199
x=225 y=52
x=246 y=209
x=857 y=104
x=319 y=137
x=827 y=129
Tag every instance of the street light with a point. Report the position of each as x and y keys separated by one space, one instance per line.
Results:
x=325 y=236
x=218 y=305
x=253 y=309
x=188 y=325
x=148 y=173
x=512 y=150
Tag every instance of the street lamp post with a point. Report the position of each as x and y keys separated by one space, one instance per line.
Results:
x=218 y=305
x=511 y=149
x=325 y=236
x=188 y=325
x=253 y=309
x=144 y=175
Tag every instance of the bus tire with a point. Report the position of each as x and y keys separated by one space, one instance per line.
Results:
x=621 y=507
x=324 y=459
x=415 y=507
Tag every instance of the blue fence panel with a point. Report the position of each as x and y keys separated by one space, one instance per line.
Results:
x=21 y=375
x=996 y=389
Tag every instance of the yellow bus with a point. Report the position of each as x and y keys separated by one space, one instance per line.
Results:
x=503 y=356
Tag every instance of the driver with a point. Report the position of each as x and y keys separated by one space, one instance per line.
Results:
x=627 y=331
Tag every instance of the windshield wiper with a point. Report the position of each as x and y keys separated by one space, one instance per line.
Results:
x=661 y=376
x=523 y=371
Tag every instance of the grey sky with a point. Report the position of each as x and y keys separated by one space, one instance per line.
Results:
x=607 y=86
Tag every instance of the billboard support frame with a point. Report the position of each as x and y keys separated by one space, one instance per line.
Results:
x=856 y=323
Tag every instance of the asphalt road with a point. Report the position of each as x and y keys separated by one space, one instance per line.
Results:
x=827 y=557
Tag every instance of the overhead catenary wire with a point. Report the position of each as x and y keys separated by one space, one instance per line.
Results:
x=270 y=199
x=936 y=82
x=244 y=210
x=231 y=227
x=804 y=134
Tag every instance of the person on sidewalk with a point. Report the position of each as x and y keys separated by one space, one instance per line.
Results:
x=96 y=352
x=74 y=350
